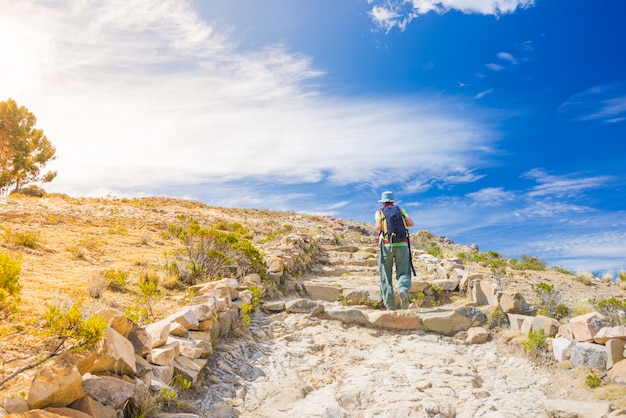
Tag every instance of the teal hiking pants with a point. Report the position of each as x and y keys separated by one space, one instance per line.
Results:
x=397 y=255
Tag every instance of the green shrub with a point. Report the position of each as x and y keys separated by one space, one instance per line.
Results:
x=435 y=251
x=273 y=236
x=528 y=262
x=116 y=279
x=497 y=319
x=418 y=298
x=562 y=270
x=257 y=295
x=593 y=381
x=211 y=253
x=535 y=341
x=613 y=310
x=244 y=319
x=69 y=325
x=28 y=239
x=550 y=301
x=490 y=259
x=10 y=287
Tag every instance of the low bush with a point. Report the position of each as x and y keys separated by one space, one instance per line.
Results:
x=593 y=380
x=550 y=301
x=528 y=262
x=613 y=310
x=116 y=280
x=535 y=342
x=10 y=269
x=28 y=239
x=68 y=325
x=212 y=254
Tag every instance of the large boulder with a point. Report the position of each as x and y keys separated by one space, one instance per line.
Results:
x=608 y=333
x=512 y=302
x=165 y=354
x=115 y=355
x=118 y=321
x=56 y=383
x=562 y=348
x=483 y=292
x=614 y=352
x=156 y=334
x=93 y=408
x=550 y=326
x=186 y=317
x=323 y=291
x=618 y=372
x=189 y=368
x=304 y=306
x=450 y=322
x=108 y=390
x=398 y=320
x=585 y=327
x=589 y=355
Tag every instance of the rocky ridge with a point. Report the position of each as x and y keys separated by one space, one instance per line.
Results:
x=321 y=347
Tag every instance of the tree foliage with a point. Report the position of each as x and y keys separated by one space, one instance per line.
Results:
x=24 y=150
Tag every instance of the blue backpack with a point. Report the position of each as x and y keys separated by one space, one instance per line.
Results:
x=393 y=226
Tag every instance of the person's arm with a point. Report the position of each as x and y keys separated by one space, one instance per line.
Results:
x=407 y=219
x=378 y=225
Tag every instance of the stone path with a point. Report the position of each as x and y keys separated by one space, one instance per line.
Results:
x=301 y=365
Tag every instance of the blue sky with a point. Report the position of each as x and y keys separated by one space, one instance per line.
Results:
x=496 y=122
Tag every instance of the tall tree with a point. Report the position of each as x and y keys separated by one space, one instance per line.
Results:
x=24 y=150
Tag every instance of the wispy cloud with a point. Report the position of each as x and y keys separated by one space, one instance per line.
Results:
x=399 y=13
x=605 y=103
x=483 y=93
x=507 y=57
x=429 y=180
x=494 y=67
x=491 y=196
x=140 y=94
x=564 y=185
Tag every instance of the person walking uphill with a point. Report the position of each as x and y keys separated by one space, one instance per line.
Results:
x=392 y=223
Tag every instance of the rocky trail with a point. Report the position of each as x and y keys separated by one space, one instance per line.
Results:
x=305 y=367
x=311 y=365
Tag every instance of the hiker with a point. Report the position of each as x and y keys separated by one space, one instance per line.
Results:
x=392 y=223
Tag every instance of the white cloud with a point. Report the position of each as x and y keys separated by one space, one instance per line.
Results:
x=401 y=12
x=491 y=196
x=566 y=185
x=138 y=94
x=494 y=67
x=587 y=251
x=428 y=180
x=507 y=57
x=605 y=103
x=483 y=93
